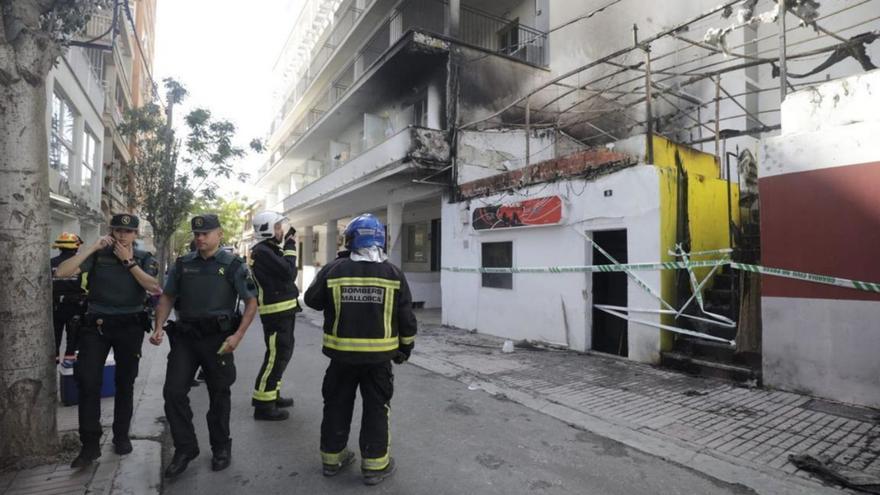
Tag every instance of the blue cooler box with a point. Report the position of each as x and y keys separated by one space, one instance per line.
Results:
x=69 y=391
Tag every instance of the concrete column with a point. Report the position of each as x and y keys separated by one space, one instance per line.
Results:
x=435 y=104
x=454 y=18
x=330 y=245
x=308 y=237
x=395 y=237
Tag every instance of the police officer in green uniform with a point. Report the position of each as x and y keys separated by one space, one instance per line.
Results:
x=206 y=285
x=118 y=280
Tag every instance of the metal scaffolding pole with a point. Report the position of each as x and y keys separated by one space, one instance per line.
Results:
x=783 y=70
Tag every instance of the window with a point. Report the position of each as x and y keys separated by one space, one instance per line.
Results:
x=498 y=255
x=417 y=243
x=89 y=149
x=61 y=142
x=420 y=112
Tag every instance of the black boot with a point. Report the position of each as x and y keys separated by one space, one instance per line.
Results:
x=88 y=453
x=222 y=458
x=284 y=401
x=345 y=458
x=122 y=445
x=270 y=412
x=376 y=477
x=179 y=462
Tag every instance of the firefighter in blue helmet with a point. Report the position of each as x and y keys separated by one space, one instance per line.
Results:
x=368 y=323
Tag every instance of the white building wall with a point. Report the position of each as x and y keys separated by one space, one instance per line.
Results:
x=817 y=339
x=533 y=308
x=72 y=78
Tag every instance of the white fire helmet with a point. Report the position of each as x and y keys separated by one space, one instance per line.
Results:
x=264 y=224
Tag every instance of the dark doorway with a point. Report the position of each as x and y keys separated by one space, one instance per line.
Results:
x=436 y=242
x=609 y=331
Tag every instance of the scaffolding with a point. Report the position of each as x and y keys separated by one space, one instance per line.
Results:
x=677 y=83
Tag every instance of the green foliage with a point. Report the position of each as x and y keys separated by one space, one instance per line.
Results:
x=174 y=177
x=63 y=18
x=231 y=211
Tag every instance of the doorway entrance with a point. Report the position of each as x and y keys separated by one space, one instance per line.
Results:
x=609 y=331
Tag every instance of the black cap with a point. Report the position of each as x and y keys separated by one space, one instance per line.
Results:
x=124 y=221
x=205 y=223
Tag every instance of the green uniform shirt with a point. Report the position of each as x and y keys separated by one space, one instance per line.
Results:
x=113 y=290
x=203 y=288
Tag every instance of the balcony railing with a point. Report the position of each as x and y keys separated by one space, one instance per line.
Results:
x=477 y=28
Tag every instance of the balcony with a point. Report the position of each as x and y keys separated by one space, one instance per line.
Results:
x=414 y=57
x=365 y=179
x=317 y=88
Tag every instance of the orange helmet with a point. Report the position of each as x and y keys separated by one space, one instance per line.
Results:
x=67 y=241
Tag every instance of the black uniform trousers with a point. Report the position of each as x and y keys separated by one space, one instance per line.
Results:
x=124 y=334
x=188 y=353
x=278 y=335
x=341 y=382
x=62 y=314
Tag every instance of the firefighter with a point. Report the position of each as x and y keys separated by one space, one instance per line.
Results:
x=119 y=279
x=206 y=285
x=273 y=263
x=368 y=323
x=68 y=297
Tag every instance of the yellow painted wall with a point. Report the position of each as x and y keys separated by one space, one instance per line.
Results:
x=707 y=211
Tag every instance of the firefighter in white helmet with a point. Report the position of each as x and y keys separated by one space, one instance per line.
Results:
x=273 y=263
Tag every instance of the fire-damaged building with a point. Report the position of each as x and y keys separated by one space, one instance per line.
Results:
x=596 y=189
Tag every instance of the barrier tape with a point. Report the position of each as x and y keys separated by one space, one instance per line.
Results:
x=809 y=277
x=623 y=313
x=667 y=265
x=675 y=265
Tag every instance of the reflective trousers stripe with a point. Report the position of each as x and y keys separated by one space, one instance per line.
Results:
x=261 y=393
x=360 y=345
x=268 y=309
x=380 y=463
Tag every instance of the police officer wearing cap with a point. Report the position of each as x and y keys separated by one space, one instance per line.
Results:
x=118 y=280
x=204 y=287
x=68 y=297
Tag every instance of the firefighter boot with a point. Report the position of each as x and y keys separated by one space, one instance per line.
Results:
x=284 y=401
x=375 y=477
x=345 y=458
x=270 y=412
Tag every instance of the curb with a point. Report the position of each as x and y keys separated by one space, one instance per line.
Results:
x=137 y=472
x=729 y=470
x=140 y=473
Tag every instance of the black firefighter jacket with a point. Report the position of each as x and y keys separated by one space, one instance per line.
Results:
x=274 y=270
x=368 y=315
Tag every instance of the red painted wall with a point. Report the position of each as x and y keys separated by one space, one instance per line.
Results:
x=824 y=221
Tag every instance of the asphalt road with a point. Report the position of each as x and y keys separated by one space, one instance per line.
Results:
x=446 y=439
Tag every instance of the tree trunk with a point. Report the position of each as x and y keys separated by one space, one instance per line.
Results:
x=162 y=258
x=27 y=367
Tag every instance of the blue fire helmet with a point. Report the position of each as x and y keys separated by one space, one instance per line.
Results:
x=363 y=232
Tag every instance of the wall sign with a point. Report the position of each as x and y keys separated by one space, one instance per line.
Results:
x=528 y=213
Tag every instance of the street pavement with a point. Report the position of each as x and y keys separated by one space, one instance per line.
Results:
x=446 y=438
x=468 y=418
